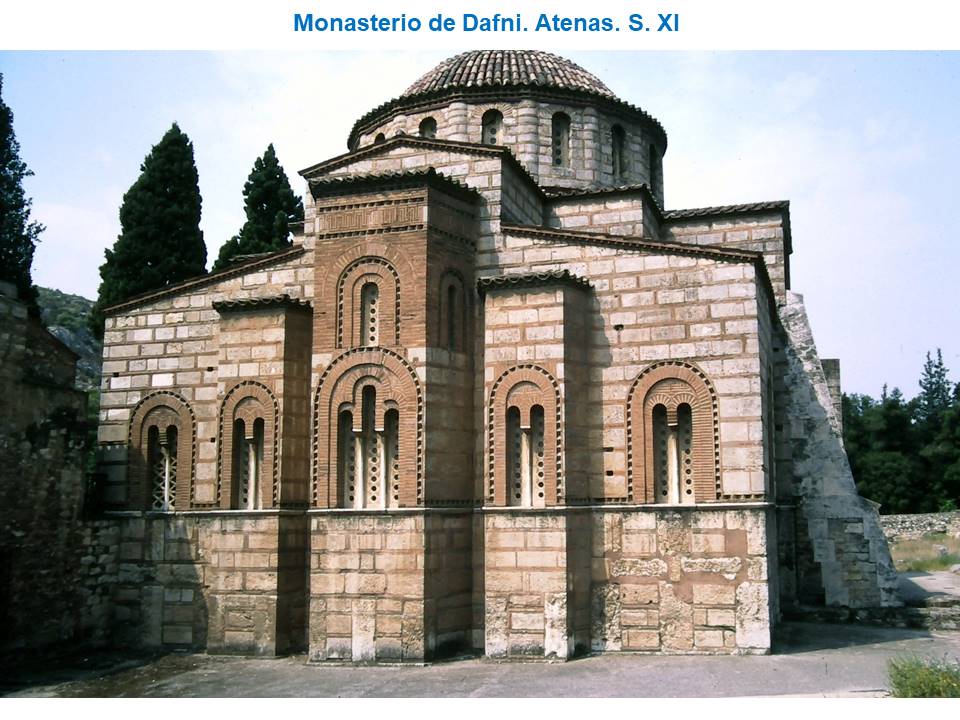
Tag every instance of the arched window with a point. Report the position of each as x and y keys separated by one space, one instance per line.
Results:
x=379 y=138
x=618 y=151
x=428 y=128
x=249 y=418
x=492 y=126
x=162 y=466
x=673 y=436
x=368 y=299
x=369 y=323
x=161 y=441
x=654 y=168
x=673 y=455
x=561 y=139
x=247 y=484
x=368 y=399
x=523 y=429
x=368 y=457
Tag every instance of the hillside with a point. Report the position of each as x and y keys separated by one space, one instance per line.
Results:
x=66 y=317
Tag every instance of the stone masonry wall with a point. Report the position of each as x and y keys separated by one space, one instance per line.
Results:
x=220 y=582
x=367 y=587
x=525 y=585
x=681 y=581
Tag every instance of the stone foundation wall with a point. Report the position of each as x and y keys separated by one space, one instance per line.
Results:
x=681 y=581
x=367 y=586
x=525 y=585
x=220 y=582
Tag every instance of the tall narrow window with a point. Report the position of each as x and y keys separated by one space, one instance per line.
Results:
x=162 y=464
x=452 y=318
x=536 y=455
x=241 y=466
x=346 y=459
x=369 y=313
x=371 y=451
x=492 y=125
x=391 y=423
x=247 y=464
x=561 y=139
x=654 y=168
x=515 y=465
x=661 y=455
x=618 y=151
x=428 y=128
x=685 y=454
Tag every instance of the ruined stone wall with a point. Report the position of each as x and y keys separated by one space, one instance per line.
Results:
x=44 y=555
x=912 y=527
x=681 y=581
x=841 y=554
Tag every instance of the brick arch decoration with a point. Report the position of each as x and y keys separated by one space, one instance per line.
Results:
x=161 y=408
x=341 y=385
x=451 y=277
x=672 y=383
x=524 y=386
x=249 y=400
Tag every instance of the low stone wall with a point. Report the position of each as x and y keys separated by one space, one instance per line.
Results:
x=911 y=527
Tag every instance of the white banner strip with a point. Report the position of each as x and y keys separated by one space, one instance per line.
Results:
x=460 y=24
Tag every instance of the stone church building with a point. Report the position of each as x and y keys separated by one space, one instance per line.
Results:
x=495 y=398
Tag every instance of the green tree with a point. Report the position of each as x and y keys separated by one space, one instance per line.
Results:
x=160 y=241
x=934 y=396
x=270 y=205
x=18 y=233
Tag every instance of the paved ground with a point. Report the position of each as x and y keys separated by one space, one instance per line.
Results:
x=811 y=660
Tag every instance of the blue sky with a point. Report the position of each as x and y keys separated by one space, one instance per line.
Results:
x=864 y=145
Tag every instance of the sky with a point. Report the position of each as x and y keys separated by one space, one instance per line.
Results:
x=864 y=145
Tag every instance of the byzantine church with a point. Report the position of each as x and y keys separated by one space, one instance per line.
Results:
x=495 y=398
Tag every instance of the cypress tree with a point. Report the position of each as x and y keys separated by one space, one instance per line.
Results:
x=270 y=206
x=160 y=241
x=18 y=234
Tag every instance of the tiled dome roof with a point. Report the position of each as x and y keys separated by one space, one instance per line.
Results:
x=500 y=68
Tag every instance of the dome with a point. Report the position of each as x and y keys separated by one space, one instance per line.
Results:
x=508 y=68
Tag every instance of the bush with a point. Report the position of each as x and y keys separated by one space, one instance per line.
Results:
x=924 y=678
